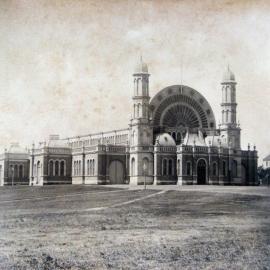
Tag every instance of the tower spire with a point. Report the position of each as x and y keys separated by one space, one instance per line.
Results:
x=141 y=133
x=229 y=126
x=141 y=91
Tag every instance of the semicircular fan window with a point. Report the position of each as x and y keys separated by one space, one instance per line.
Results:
x=180 y=116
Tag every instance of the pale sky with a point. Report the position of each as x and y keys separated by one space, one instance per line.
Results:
x=66 y=66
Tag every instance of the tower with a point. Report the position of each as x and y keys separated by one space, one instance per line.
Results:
x=229 y=129
x=141 y=134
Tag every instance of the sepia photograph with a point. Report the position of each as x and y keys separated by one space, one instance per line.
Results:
x=134 y=134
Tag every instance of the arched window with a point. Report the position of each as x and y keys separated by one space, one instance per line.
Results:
x=11 y=171
x=234 y=168
x=138 y=110
x=80 y=168
x=214 y=169
x=21 y=171
x=38 y=169
x=170 y=167
x=223 y=93
x=50 y=168
x=188 y=168
x=164 y=169
x=144 y=110
x=16 y=171
x=135 y=87
x=139 y=86
x=132 y=171
x=178 y=167
x=178 y=138
x=88 y=167
x=93 y=170
x=224 y=168
x=133 y=137
x=62 y=168
x=56 y=167
x=146 y=166
x=174 y=136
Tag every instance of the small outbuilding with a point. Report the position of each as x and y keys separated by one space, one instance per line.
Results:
x=14 y=166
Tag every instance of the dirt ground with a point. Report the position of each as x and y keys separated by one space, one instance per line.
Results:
x=95 y=227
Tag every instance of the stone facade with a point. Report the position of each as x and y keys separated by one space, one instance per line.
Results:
x=50 y=163
x=171 y=139
x=14 y=166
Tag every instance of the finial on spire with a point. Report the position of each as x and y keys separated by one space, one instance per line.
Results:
x=228 y=75
x=141 y=67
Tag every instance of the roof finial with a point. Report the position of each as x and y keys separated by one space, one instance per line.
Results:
x=228 y=75
x=141 y=67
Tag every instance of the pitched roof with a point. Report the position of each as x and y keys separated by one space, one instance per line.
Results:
x=267 y=158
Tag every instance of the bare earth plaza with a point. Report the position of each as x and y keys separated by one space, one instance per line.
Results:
x=134 y=135
x=97 y=227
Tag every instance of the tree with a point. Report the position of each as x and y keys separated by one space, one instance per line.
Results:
x=264 y=175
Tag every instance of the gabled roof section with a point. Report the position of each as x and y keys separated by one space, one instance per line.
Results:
x=267 y=158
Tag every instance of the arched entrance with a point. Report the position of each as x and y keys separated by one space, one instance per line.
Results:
x=201 y=172
x=116 y=172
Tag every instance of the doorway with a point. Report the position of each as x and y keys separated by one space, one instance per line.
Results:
x=201 y=172
x=116 y=172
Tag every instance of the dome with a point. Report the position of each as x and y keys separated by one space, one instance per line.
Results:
x=141 y=67
x=15 y=148
x=55 y=141
x=165 y=139
x=228 y=75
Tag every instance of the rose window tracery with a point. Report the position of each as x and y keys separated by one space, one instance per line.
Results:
x=180 y=116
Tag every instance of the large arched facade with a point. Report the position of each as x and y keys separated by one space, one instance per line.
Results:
x=178 y=108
